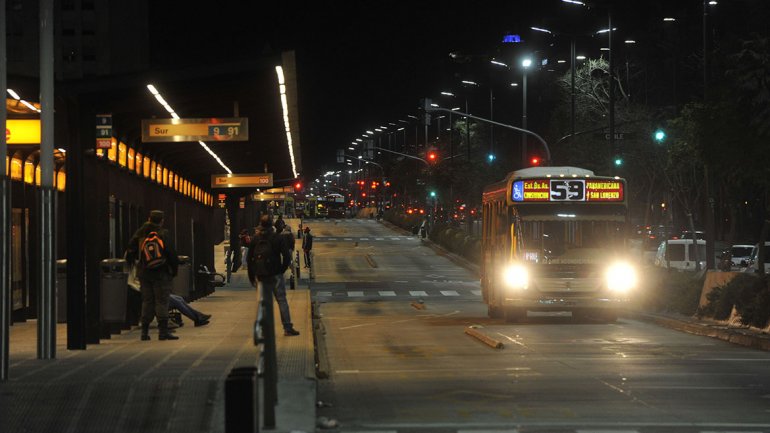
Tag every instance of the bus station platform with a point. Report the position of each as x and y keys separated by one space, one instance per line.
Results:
x=127 y=385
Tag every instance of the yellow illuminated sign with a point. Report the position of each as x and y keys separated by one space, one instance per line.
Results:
x=22 y=131
x=256 y=180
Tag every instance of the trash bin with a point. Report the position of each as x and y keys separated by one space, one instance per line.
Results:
x=113 y=290
x=181 y=284
x=61 y=291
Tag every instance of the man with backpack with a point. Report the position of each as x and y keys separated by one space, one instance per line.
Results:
x=157 y=266
x=268 y=259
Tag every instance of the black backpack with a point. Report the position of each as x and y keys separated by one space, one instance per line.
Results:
x=264 y=258
x=152 y=252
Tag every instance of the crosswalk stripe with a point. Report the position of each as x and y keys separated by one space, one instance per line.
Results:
x=387 y=293
x=476 y=292
x=449 y=293
x=355 y=294
x=417 y=293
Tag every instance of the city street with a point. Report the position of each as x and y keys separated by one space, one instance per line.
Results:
x=394 y=367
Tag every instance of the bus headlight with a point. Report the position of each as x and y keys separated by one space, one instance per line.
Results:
x=516 y=276
x=621 y=277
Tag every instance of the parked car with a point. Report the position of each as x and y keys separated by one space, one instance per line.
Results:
x=680 y=254
x=753 y=266
x=740 y=254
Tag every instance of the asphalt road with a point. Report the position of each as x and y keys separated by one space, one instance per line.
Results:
x=396 y=368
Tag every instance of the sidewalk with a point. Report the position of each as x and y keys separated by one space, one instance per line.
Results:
x=128 y=385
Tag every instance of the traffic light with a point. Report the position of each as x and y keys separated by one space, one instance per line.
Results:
x=491 y=157
x=432 y=156
x=660 y=135
x=297 y=186
x=534 y=161
x=618 y=160
x=433 y=194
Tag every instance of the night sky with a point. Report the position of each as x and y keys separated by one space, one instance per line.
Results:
x=364 y=63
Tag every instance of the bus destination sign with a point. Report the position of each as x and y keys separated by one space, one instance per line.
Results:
x=561 y=190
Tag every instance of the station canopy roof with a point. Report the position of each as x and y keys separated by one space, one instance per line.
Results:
x=243 y=89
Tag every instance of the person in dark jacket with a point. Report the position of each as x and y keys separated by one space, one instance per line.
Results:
x=276 y=281
x=307 y=246
x=156 y=282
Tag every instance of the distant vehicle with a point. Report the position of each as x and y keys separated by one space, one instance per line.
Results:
x=335 y=205
x=740 y=255
x=752 y=265
x=687 y=234
x=680 y=254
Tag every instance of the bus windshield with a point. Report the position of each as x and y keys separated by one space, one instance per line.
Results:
x=567 y=240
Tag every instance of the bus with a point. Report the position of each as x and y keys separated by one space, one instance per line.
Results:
x=335 y=205
x=554 y=239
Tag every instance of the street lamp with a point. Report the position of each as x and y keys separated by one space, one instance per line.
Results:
x=526 y=63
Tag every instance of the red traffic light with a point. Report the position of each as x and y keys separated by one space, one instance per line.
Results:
x=535 y=160
x=432 y=156
x=298 y=185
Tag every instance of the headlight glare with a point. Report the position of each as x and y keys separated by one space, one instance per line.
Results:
x=621 y=277
x=516 y=276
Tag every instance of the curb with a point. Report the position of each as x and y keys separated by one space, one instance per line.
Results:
x=741 y=337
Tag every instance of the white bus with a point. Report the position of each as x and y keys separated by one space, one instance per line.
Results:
x=554 y=239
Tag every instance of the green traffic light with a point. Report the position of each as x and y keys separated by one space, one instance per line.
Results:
x=618 y=162
x=660 y=135
x=433 y=193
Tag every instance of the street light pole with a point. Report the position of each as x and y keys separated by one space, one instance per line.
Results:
x=572 y=67
x=526 y=63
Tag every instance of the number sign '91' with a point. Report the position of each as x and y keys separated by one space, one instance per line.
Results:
x=567 y=190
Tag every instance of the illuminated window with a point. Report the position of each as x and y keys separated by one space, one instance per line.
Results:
x=139 y=159
x=61 y=179
x=7 y=164
x=122 y=153
x=175 y=185
x=184 y=187
x=29 y=172
x=153 y=170
x=131 y=159
x=159 y=173
x=165 y=177
x=100 y=153
x=147 y=166
x=37 y=175
x=112 y=154
x=16 y=169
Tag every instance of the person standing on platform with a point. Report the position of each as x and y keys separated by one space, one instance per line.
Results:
x=307 y=246
x=268 y=259
x=157 y=266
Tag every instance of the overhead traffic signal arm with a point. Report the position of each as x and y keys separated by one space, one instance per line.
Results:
x=426 y=105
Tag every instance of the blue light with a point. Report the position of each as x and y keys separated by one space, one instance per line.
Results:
x=511 y=39
x=491 y=157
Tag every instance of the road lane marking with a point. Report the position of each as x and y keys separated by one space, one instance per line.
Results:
x=355 y=294
x=387 y=293
x=357 y=326
x=449 y=293
x=323 y=293
x=348 y=239
x=364 y=239
x=331 y=239
x=379 y=239
x=476 y=292
x=417 y=293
